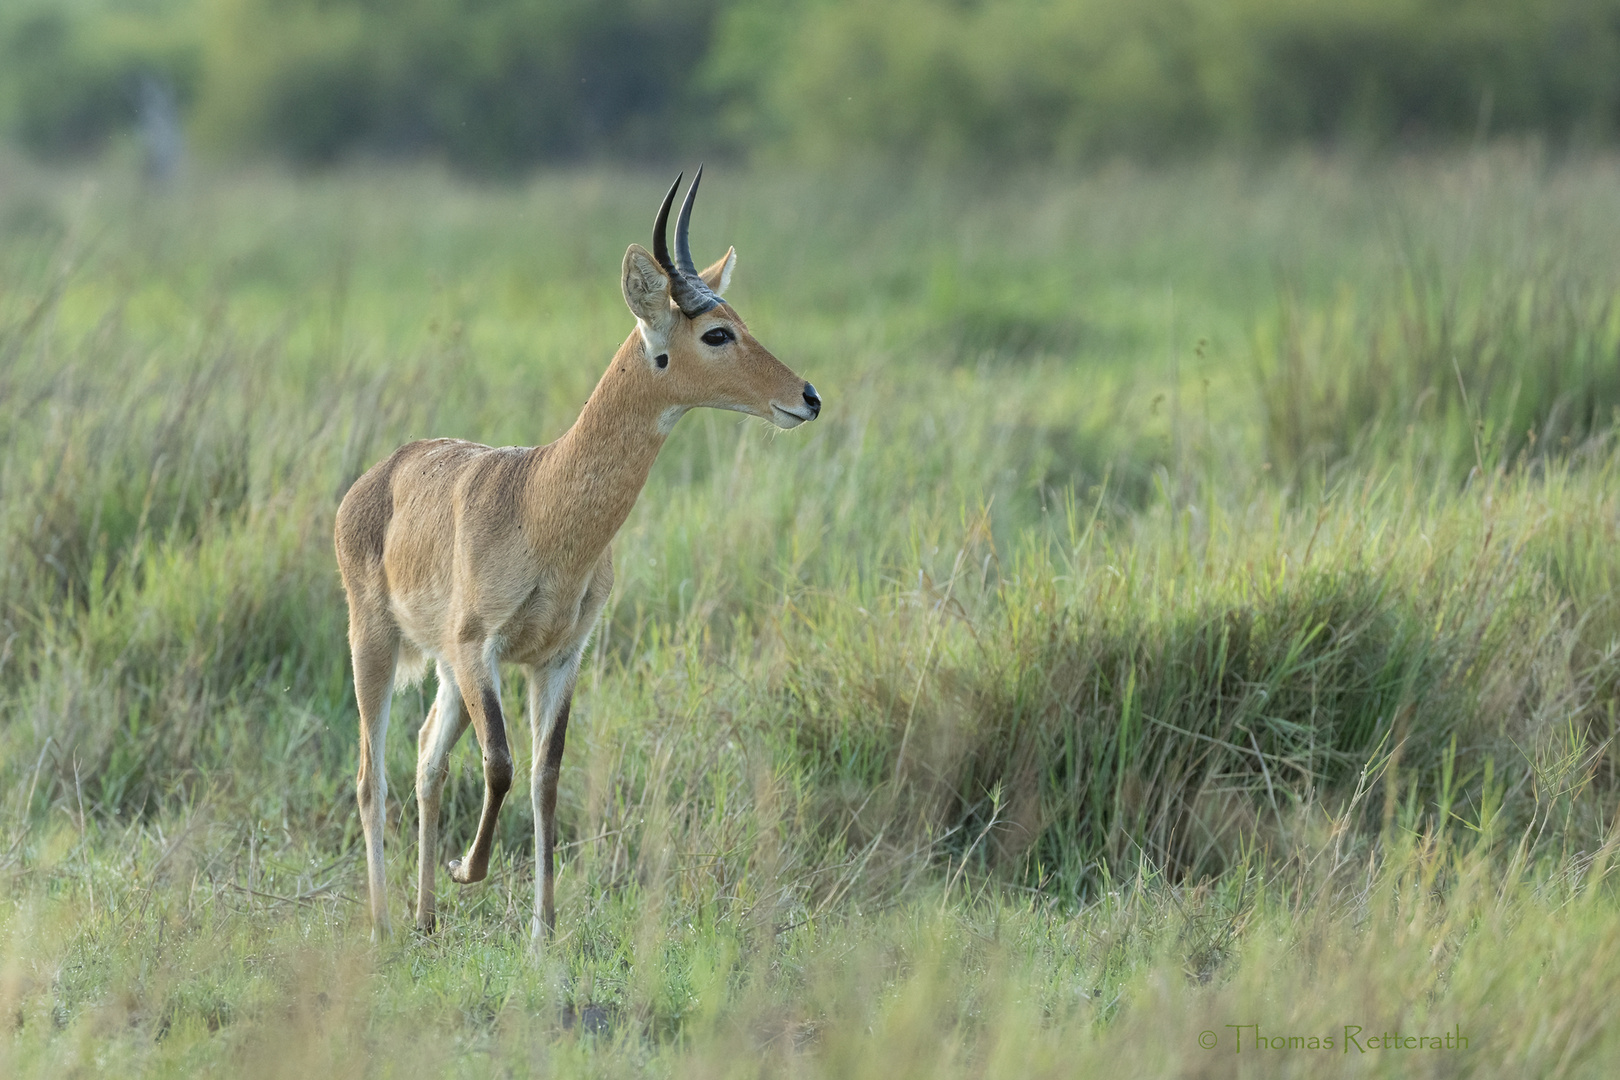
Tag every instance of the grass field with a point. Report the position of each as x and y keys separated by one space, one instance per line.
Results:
x=1191 y=619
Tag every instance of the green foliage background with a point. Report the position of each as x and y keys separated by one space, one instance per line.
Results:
x=498 y=85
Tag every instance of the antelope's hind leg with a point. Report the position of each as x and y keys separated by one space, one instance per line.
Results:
x=440 y=732
x=375 y=655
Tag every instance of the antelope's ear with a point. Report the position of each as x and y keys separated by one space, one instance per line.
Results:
x=646 y=288
x=718 y=276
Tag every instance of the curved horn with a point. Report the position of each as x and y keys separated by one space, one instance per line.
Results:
x=683 y=224
x=686 y=288
x=661 y=229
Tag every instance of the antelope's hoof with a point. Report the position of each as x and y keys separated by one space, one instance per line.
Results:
x=426 y=924
x=461 y=873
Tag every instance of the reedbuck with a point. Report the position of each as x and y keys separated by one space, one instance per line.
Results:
x=470 y=555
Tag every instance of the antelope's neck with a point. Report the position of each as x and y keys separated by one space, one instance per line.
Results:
x=585 y=484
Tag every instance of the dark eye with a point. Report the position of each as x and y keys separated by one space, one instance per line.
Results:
x=718 y=336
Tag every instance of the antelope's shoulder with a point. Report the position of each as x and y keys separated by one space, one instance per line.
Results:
x=408 y=466
x=437 y=475
x=491 y=478
x=432 y=463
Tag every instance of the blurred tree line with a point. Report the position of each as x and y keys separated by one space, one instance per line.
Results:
x=498 y=85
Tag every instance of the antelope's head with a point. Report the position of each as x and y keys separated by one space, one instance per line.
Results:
x=697 y=350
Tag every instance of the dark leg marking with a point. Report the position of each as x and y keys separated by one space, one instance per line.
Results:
x=497 y=782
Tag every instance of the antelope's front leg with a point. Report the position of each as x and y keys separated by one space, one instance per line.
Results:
x=480 y=686
x=551 y=694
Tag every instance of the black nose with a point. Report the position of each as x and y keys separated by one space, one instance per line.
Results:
x=812 y=399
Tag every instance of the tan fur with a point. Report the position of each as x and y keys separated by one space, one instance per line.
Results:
x=469 y=556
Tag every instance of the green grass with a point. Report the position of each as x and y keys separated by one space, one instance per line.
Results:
x=1170 y=624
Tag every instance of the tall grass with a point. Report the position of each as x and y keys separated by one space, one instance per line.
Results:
x=1038 y=690
x=1528 y=369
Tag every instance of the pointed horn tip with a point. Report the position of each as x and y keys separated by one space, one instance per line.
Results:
x=661 y=226
x=683 y=224
x=691 y=191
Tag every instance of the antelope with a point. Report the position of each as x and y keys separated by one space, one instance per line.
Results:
x=469 y=556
